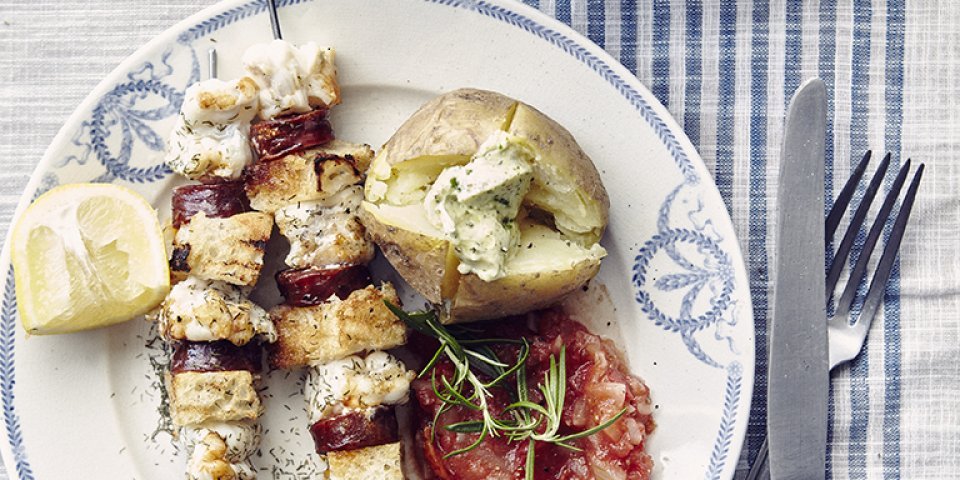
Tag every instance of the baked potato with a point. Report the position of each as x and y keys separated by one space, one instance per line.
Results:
x=439 y=192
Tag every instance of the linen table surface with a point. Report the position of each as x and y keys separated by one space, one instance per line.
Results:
x=726 y=70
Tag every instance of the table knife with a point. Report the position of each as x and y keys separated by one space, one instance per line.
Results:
x=798 y=380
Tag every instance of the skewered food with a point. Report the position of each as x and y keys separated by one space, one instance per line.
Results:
x=208 y=310
x=227 y=249
x=224 y=396
x=292 y=79
x=209 y=140
x=273 y=139
x=332 y=312
x=306 y=287
x=311 y=175
x=216 y=200
x=325 y=233
x=217 y=255
x=336 y=328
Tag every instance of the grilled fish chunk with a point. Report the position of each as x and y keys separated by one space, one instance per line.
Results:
x=208 y=310
x=356 y=383
x=220 y=450
x=210 y=139
x=312 y=175
x=326 y=232
x=213 y=457
x=292 y=79
x=240 y=439
x=203 y=397
x=336 y=328
x=227 y=249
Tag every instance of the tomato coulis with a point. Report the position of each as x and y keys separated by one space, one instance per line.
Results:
x=599 y=385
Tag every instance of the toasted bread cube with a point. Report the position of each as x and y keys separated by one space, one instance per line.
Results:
x=199 y=397
x=227 y=249
x=208 y=310
x=383 y=462
x=336 y=329
x=326 y=232
x=315 y=174
x=359 y=153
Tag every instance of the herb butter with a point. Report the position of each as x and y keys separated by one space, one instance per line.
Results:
x=476 y=205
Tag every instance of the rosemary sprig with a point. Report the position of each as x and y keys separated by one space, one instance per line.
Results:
x=527 y=420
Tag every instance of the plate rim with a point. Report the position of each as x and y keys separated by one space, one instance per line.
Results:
x=728 y=444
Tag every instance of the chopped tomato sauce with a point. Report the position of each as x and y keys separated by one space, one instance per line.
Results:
x=599 y=385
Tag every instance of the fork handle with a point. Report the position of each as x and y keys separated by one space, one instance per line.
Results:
x=760 y=470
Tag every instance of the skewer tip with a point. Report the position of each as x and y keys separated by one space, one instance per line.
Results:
x=274 y=20
x=212 y=62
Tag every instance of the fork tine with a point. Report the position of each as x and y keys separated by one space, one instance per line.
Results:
x=860 y=269
x=856 y=222
x=879 y=282
x=843 y=200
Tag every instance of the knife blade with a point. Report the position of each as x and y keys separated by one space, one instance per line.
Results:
x=798 y=379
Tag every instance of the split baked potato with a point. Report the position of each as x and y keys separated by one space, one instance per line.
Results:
x=543 y=239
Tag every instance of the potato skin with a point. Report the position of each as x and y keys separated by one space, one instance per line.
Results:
x=516 y=294
x=420 y=259
x=455 y=124
x=436 y=129
x=560 y=150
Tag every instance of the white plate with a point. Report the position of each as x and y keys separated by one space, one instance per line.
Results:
x=83 y=406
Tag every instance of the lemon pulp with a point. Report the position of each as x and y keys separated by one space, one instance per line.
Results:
x=87 y=256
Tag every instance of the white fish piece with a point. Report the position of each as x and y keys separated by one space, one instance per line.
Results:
x=356 y=383
x=211 y=137
x=240 y=439
x=292 y=79
x=208 y=310
x=326 y=232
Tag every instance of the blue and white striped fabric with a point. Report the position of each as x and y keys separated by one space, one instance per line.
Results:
x=726 y=70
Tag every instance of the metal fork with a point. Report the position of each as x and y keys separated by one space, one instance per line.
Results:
x=845 y=340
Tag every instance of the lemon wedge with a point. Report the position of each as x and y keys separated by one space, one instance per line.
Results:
x=86 y=256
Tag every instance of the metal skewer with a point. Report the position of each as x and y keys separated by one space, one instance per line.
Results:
x=212 y=63
x=274 y=21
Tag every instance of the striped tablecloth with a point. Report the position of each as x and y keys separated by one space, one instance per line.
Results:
x=725 y=69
